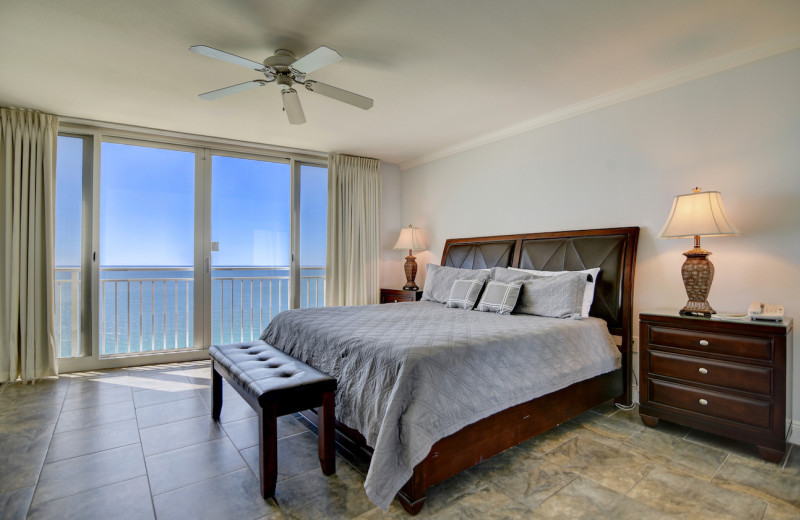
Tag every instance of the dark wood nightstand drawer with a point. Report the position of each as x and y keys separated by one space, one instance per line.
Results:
x=712 y=342
x=735 y=376
x=733 y=408
x=399 y=295
x=394 y=298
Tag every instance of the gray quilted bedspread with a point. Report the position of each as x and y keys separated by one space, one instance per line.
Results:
x=412 y=373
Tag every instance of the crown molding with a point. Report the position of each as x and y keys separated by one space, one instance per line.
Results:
x=788 y=42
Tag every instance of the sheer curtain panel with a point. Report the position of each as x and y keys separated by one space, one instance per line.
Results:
x=353 y=257
x=27 y=223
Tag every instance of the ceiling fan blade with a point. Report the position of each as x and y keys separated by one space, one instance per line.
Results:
x=211 y=52
x=291 y=104
x=316 y=59
x=339 y=94
x=233 y=89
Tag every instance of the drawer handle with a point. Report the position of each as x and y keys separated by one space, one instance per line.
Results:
x=702 y=370
x=703 y=343
x=703 y=402
x=395 y=301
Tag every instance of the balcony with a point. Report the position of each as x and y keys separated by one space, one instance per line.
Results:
x=150 y=309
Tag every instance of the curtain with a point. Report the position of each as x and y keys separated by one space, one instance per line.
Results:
x=353 y=257
x=27 y=240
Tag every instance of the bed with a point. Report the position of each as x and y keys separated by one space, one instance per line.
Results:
x=426 y=392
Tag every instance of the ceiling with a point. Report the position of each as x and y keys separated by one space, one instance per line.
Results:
x=441 y=72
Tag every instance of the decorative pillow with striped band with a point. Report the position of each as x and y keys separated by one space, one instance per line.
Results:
x=464 y=294
x=499 y=297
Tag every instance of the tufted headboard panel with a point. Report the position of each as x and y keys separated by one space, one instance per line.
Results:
x=578 y=253
x=480 y=255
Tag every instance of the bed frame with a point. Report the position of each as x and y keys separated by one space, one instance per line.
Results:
x=614 y=251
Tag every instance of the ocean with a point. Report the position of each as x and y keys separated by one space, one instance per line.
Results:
x=150 y=309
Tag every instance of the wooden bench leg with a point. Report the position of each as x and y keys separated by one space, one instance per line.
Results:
x=216 y=393
x=326 y=434
x=268 y=449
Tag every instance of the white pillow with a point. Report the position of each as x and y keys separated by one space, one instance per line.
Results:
x=588 y=295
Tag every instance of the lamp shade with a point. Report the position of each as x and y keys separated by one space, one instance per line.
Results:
x=410 y=238
x=698 y=214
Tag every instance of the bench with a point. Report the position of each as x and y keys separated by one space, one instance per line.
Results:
x=274 y=384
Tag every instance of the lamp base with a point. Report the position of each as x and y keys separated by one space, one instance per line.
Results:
x=411 y=273
x=698 y=273
x=694 y=308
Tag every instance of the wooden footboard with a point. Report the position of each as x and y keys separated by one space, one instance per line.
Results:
x=487 y=437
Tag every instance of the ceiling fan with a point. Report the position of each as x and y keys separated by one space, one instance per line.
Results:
x=285 y=70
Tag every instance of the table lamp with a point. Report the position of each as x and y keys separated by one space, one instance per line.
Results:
x=411 y=239
x=698 y=214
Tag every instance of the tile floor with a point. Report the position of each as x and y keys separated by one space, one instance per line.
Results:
x=139 y=443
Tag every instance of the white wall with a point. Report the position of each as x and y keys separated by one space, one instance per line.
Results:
x=737 y=132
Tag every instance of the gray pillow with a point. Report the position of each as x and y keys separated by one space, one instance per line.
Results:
x=499 y=297
x=440 y=278
x=464 y=294
x=588 y=294
x=501 y=274
x=559 y=296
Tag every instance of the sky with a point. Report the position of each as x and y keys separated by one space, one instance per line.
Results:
x=68 y=201
x=147 y=208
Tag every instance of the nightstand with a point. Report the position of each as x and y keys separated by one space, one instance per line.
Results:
x=727 y=377
x=399 y=295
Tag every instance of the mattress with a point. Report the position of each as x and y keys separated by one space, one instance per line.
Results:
x=412 y=373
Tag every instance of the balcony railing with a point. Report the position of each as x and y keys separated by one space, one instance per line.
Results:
x=150 y=309
x=68 y=311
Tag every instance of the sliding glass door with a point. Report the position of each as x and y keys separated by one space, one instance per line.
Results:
x=72 y=166
x=251 y=245
x=313 y=234
x=146 y=249
x=163 y=248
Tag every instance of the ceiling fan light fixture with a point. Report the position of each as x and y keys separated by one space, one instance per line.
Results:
x=292 y=106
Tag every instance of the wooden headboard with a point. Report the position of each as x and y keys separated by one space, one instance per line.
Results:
x=613 y=250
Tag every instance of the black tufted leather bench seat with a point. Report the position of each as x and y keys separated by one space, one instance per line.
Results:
x=274 y=384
